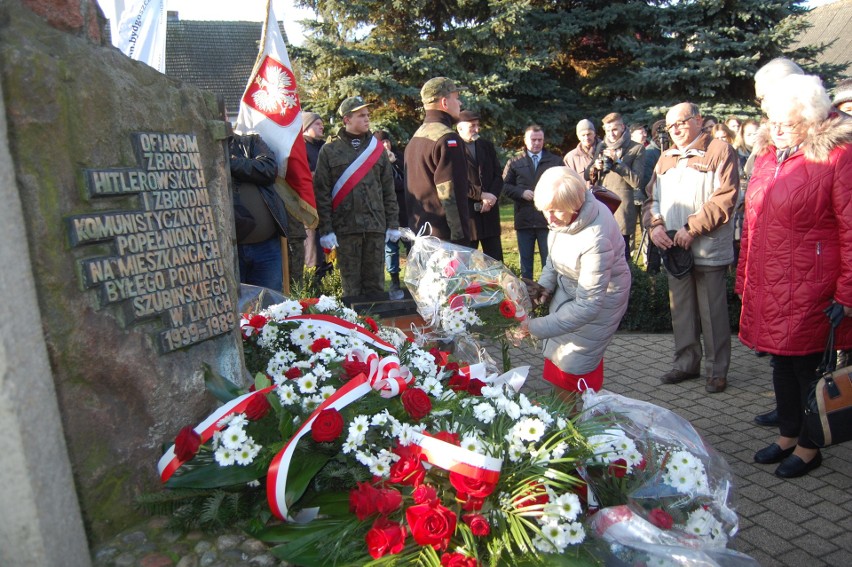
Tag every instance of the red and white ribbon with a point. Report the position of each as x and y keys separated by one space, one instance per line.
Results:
x=387 y=376
x=458 y=459
x=342 y=327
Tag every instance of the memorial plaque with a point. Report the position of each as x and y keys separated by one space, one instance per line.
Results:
x=167 y=263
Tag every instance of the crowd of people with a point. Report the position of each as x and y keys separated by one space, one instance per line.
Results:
x=770 y=198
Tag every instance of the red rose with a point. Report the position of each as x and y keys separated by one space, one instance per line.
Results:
x=431 y=525
x=355 y=367
x=372 y=324
x=479 y=526
x=416 y=402
x=385 y=537
x=447 y=437
x=458 y=560
x=388 y=500
x=459 y=382
x=451 y=366
x=618 y=468
x=474 y=387
x=451 y=268
x=425 y=494
x=408 y=470
x=305 y=303
x=472 y=504
x=320 y=344
x=473 y=289
x=362 y=500
x=293 y=373
x=187 y=443
x=465 y=485
x=327 y=426
x=439 y=356
x=257 y=408
x=661 y=518
x=507 y=309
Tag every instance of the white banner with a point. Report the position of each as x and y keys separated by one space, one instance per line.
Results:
x=142 y=32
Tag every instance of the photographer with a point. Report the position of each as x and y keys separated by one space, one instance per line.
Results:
x=618 y=165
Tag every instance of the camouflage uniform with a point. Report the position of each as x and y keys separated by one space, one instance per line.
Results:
x=362 y=218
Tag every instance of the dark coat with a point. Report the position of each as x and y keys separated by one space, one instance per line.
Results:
x=312 y=148
x=398 y=167
x=483 y=176
x=436 y=179
x=252 y=161
x=518 y=176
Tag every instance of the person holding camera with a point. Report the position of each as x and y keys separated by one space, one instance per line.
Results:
x=618 y=165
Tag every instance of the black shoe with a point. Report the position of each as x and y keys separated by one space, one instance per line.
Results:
x=793 y=466
x=676 y=376
x=769 y=419
x=772 y=454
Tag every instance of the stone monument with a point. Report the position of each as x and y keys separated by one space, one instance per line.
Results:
x=122 y=177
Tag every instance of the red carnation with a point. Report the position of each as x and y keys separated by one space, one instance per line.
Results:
x=451 y=366
x=320 y=344
x=355 y=367
x=459 y=382
x=661 y=518
x=479 y=526
x=327 y=426
x=372 y=324
x=416 y=402
x=385 y=537
x=408 y=469
x=473 y=289
x=425 y=494
x=187 y=443
x=431 y=525
x=507 y=309
x=618 y=468
x=258 y=407
x=456 y=559
x=293 y=373
x=258 y=321
x=474 y=387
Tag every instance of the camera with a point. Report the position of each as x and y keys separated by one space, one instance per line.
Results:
x=604 y=164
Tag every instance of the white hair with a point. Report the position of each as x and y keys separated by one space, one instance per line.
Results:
x=772 y=72
x=801 y=95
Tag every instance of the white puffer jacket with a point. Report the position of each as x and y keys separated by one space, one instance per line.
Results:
x=588 y=273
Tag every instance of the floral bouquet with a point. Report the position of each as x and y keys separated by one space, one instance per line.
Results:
x=356 y=446
x=665 y=494
x=457 y=288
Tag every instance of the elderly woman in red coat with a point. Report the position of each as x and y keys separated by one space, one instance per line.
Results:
x=796 y=253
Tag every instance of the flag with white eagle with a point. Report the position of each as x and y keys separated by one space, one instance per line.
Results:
x=270 y=107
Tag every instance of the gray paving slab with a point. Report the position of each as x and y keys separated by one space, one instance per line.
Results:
x=782 y=522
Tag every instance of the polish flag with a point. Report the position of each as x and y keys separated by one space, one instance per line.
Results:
x=270 y=107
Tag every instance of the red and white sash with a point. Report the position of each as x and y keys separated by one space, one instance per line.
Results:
x=356 y=172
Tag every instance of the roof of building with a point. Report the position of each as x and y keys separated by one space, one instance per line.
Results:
x=831 y=22
x=214 y=55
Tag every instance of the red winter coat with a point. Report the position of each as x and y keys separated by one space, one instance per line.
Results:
x=796 y=250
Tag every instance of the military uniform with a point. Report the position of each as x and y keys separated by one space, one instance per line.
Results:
x=362 y=218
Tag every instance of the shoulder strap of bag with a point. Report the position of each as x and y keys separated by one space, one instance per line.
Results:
x=829 y=357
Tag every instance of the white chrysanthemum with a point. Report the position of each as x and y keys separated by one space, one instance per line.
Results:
x=287 y=395
x=268 y=335
x=561 y=423
x=224 y=457
x=285 y=309
x=516 y=452
x=245 y=455
x=359 y=425
x=569 y=506
x=574 y=533
x=472 y=443
x=307 y=383
x=542 y=544
x=225 y=421
x=327 y=391
x=493 y=392
x=233 y=437
x=509 y=407
x=349 y=315
x=238 y=420
x=425 y=364
x=310 y=403
x=555 y=533
x=702 y=523
x=527 y=406
x=349 y=446
x=407 y=434
x=432 y=386
x=326 y=304
x=339 y=342
x=530 y=429
x=559 y=450
x=365 y=458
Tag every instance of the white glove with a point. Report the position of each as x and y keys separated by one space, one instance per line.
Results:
x=329 y=241
x=392 y=235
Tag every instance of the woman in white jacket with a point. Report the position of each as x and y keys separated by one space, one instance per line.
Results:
x=588 y=277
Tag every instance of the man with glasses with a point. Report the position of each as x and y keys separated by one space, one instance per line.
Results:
x=692 y=206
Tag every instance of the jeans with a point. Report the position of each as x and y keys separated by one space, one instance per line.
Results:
x=392 y=255
x=260 y=264
x=527 y=237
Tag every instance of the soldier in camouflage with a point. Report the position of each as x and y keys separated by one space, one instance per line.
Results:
x=436 y=167
x=353 y=184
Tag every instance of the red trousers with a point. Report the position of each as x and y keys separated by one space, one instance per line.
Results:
x=572 y=382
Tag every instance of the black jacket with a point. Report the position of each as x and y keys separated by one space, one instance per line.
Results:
x=253 y=162
x=312 y=148
x=483 y=175
x=518 y=176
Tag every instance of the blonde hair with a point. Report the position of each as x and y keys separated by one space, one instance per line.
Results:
x=560 y=189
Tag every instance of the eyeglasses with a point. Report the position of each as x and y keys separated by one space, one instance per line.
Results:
x=783 y=126
x=679 y=124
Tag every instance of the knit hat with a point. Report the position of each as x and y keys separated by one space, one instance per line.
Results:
x=436 y=88
x=585 y=124
x=309 y=118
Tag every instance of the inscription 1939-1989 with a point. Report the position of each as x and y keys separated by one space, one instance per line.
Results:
x=167 y=261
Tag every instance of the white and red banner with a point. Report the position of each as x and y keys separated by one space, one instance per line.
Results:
x=356 y=171
x=139 y=31
x=270 y=107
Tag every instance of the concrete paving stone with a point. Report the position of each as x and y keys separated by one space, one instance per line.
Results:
x=763 y=559
x=799 y=557
x=791 y=511
x=839 y=480
x=793 y=491
x=841 y=556
x=829 y=511
x=816 y=545
x=782 y=525
x=828 y=529
x=762 y=538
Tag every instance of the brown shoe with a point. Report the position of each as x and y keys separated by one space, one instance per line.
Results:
x=675 y=376
x=716 y=384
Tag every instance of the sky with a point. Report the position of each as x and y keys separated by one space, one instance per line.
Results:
x=253 y=10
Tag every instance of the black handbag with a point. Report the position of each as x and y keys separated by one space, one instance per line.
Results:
x=828 y=410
